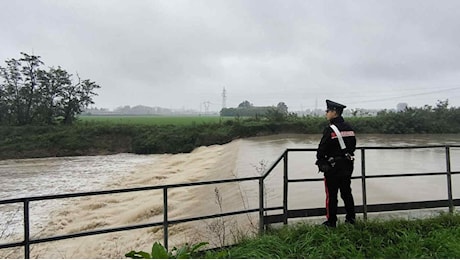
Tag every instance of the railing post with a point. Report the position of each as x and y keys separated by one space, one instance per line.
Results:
x=261 y=206
x=449 y=180
x=363 y=183
x=165 y=217
x=285 y=189
x=26 y=230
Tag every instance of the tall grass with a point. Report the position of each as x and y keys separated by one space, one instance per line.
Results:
x=437 y=237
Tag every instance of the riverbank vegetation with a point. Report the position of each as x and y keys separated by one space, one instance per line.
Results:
x=88 y=136
x=436 y=237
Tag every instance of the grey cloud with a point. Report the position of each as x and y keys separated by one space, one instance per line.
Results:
x=180 y=53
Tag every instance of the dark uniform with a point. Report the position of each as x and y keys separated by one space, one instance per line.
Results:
x=337 y=165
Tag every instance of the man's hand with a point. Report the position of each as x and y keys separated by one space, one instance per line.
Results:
x=324 y=168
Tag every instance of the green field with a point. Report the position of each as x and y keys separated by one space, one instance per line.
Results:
x=153 y=120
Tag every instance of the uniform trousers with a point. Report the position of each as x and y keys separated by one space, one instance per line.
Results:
x=339 y=178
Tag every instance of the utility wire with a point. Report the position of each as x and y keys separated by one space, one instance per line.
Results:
x=405 y=96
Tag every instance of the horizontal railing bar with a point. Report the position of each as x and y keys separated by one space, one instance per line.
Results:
x=405 y=175
x=83 y=234
x=95 y=232
x=318 y=179
x=301 y=150
x=94 y=193
x=306 y=180
x=10 y=245
x=316 y=212
x=380 y=176
x=274 y=208
x=376 y=148
x=178 y=221
x=410 y=206
x=172 y=222
x=79 y=194
x=211 y=182
x=400 y=147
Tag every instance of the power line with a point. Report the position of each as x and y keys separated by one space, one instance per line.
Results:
x=405 y=96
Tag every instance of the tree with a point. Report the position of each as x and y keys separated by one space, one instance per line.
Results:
x=3 y=107
x=10 y=90
x=75 y=98
x=53 y=83
x=30 y=89
x=32 y=95
x=275 y=115
x=245 y=104
x=282 y=108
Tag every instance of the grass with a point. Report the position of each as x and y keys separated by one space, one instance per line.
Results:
x=141 y=135
x=437 y=237
x=152 y=120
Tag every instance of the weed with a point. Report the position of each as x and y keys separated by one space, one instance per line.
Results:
x=218 y=227
x=160 y=252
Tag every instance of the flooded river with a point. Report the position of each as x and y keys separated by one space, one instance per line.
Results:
x=241 y=158
x=301 y=166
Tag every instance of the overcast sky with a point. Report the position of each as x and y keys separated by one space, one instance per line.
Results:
x=181 y=53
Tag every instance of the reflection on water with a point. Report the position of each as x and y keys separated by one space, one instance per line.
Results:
x=33 y=177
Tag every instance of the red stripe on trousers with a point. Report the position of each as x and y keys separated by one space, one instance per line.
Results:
x=327 y=198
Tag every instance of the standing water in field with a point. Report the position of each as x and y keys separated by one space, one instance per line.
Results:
x=241 y=158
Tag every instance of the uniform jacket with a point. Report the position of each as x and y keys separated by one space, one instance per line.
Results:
x=329 y=145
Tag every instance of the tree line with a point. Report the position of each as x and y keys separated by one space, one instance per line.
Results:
x=31 y=94
x=438 y=119
x=88 y=138
x=247 y=109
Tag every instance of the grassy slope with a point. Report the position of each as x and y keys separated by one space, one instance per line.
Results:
x=146 y=136
x=437 y=237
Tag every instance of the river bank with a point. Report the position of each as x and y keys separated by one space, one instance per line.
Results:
x=101 y=139
x=93 y=138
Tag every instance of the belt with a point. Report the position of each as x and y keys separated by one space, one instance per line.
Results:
x=338 y=158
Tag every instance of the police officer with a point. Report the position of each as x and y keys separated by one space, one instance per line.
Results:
x=335 y=156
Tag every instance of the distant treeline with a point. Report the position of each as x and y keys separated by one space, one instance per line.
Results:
x=247 y=109
x=425 y=120
x=90 y=138
x=245 y=112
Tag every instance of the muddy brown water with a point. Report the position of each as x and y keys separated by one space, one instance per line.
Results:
x=241 y=158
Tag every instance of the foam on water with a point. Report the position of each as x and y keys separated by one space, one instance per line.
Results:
x=241 y=158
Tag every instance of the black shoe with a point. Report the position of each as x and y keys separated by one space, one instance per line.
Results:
x=350 y=221
x=329 y=224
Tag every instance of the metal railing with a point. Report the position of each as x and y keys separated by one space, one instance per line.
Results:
x=264 y=219
x=365 y=208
